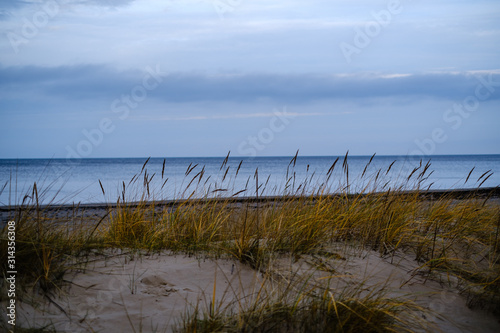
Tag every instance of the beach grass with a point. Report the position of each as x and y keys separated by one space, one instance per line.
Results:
x=455 y=240
x=300 y=307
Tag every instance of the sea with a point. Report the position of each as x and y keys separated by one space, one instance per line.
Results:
x=107 y=180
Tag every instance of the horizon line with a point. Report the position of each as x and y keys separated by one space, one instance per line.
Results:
x=245 y=157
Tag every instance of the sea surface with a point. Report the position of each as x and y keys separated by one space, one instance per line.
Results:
x=64 y=181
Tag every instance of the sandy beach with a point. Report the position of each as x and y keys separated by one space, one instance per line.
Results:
x=125 y=292
x=132 y=289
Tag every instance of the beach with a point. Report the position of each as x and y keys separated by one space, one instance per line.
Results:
x=211 y=276
x=129 y=292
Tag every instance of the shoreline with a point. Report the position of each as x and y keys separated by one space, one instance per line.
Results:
x=459 y=194
x=95 y=211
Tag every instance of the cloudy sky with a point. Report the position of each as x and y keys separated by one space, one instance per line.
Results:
x=125 y=78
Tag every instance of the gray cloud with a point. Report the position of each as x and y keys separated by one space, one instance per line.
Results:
x=5 y=4
x=8 y=6
x=85 y=82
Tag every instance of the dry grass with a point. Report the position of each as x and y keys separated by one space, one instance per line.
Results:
x=301 y=306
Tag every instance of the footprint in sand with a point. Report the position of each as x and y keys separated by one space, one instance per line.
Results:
x=156 y=285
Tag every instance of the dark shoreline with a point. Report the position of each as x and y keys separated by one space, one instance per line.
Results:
x=459 y=194
x=100 y=209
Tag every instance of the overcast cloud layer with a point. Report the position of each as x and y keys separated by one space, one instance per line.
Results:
x=198 y=78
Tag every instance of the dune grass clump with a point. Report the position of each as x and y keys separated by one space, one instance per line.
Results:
x=46 y=247
x=304 y=304
x=317 y=315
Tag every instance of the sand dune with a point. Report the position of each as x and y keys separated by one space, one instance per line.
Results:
x=123 y=292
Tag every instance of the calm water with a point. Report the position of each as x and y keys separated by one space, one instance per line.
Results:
x=68 y=183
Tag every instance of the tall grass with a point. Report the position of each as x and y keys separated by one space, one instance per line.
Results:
x=49 y=240
x=300 y=304
x=449 y=235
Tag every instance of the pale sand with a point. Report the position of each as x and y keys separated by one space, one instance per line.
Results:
x=156 y=290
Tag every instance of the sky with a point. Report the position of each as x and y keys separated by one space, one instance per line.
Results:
x=175 y=78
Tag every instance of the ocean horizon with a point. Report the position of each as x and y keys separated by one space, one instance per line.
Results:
x=62 y=181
